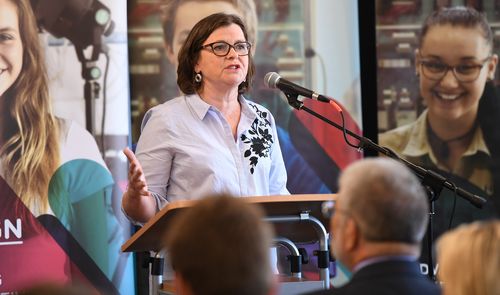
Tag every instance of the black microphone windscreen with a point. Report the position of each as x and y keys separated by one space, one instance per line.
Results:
x=271 y=79
x=309 y=52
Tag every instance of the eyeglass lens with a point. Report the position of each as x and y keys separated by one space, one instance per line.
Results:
x=223 y=48
x=465 y=73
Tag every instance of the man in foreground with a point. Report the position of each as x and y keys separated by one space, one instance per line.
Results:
x=378 y=223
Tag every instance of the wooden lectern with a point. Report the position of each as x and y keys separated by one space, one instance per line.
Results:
x=299 y=218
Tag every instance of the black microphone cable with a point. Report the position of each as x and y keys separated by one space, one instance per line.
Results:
x=310 y=53
x=104 y=98
x=274 y=80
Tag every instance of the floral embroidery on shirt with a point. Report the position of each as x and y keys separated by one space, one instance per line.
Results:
x=259 y=138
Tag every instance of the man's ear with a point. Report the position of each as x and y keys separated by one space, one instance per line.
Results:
x=351 y=235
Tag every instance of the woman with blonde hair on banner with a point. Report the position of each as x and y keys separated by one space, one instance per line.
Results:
x=54 y=180
x=469 y=259
x=29 y=132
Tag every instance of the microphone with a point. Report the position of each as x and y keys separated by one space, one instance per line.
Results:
x=274 y=80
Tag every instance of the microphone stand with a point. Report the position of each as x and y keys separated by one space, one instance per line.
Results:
x=432 y=181
x=90 y=73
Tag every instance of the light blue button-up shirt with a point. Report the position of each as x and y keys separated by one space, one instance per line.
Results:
x=187 y=151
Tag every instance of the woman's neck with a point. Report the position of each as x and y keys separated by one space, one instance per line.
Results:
x=225 y=101
x=450 y=140
x=448 y=130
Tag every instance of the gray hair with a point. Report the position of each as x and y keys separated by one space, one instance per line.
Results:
x=386 y=199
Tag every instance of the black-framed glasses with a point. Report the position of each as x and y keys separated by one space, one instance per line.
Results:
x=436 y=70
x=221 y=48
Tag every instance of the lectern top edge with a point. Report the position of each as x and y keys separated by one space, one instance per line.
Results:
x=147 y=238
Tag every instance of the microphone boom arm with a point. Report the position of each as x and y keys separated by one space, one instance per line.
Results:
x=431 y=179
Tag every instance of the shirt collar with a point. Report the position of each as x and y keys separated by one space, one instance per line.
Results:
x=478 y=144
x=198 y=105
x=417 y=144
x=248 y=111
x=201 y=108
x=378 y=259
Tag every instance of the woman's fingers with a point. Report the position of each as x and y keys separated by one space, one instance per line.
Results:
x=130 y=155
x=136 y=179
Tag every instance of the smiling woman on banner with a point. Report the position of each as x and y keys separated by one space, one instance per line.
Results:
x=211 y=139
x=456 y=134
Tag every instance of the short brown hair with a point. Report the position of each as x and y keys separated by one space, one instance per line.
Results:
x=190 y=51
x=221 y=246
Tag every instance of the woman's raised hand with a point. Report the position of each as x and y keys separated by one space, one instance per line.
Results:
x=137 y=185
x=137 y=200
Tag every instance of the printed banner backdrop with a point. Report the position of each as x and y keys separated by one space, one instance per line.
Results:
x=77 y=238
x=401 y=107
x=311 y=43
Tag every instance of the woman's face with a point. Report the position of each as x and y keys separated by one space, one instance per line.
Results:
x=449 y=98
x=11 y=47
x=224 y=71
x=187 y=15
